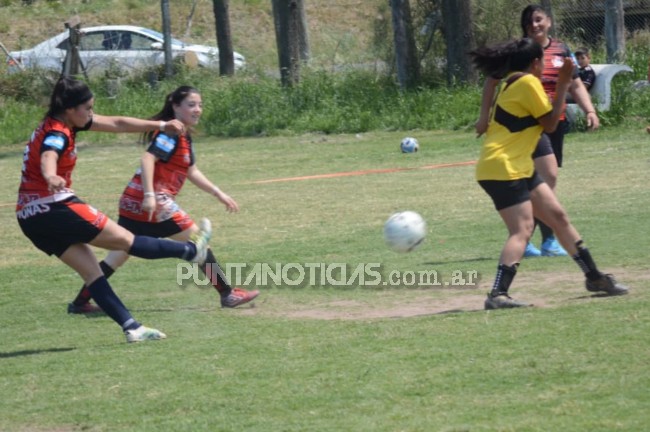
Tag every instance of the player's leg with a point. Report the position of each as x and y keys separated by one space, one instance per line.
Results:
x=519 y=221
x=547 y=166
x=115 y=237
x=511 y=199
x=548 y=209
x=81 y=304
x=230 y=297
x=81 y=258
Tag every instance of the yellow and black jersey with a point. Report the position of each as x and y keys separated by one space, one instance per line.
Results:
x=513 y=130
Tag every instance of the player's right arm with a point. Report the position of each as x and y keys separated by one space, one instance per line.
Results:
x=148 y=162
x=55 y=183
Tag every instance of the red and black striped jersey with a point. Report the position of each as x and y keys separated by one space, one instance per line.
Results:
x=174 y=158
x=554 y=54
x=50 y=135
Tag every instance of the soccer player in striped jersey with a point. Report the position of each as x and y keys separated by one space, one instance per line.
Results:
x=148 y=205
x=59 y=223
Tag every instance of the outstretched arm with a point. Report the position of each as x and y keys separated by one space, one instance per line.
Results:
x=118 y=124
x=202 y=182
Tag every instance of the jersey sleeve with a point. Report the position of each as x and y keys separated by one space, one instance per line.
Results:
x=54 y=141
x=163 y=146
x=588 y=77
x=192 y=158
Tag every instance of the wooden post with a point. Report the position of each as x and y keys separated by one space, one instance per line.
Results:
x=72 y=61
x=615 y=31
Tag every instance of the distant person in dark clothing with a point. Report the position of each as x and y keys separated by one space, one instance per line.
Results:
x=585 y=71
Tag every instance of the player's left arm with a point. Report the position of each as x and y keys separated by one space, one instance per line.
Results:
x=581 y=97
x=195 y=175
x=118 y=124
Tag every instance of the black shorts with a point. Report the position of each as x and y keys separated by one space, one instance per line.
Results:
x=552 y=143
x=506 y=193
x=54 y=227
x=162 y=229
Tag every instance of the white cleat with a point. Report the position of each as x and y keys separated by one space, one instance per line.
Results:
x=143 y=333
x=201 y=240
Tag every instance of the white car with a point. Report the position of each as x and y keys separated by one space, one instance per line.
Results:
x=123 y=46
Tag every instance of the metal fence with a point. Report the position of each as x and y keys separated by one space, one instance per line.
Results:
x=584 y=20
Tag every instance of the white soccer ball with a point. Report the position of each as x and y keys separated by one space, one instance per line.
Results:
x=404 y=231
x=409 y=145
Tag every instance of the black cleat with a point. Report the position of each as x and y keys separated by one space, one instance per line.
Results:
x=503 y=301
x=607 y=284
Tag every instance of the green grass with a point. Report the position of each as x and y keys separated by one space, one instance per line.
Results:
x=340 y=358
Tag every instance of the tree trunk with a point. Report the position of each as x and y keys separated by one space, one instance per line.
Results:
x=459 y=38
x=303 y=33
x=224 y=39
x=407 y=63
x=190 y=17
x=615 y=31
x=167 y=34
x=287 y=17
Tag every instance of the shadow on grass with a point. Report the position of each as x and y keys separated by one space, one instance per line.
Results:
x=33 y=352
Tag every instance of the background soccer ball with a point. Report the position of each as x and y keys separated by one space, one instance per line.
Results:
x=404 y=231
x=409 y=145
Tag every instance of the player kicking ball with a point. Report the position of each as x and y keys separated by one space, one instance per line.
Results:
x=148 y=203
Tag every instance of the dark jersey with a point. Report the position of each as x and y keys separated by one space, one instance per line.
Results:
x=588 y=76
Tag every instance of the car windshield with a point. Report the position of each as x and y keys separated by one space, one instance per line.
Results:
x=160 y=36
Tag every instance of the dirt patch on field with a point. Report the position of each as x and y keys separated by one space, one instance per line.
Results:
x=539 y=289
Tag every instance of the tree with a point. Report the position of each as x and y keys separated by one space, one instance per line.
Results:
x=167 y=34
x=303 y=33
x=289 y=31
x=408 y=66
x=615 y=30
x=224 y=39
x=459 y=38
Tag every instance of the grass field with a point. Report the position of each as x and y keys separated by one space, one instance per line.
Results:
x=341 y=358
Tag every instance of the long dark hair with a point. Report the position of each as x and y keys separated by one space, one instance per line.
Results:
x=167 y=111
x=500 y=59
x=527 y=16
x=68 y=93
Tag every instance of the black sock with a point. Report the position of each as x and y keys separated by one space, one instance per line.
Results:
x=503 y=279
x=586 y=262
x=84 y=295
x=212 y=269
x=154 y=248
x=110 y=303
x=545 y=230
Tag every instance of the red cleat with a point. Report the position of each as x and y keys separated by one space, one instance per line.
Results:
x=238 y=297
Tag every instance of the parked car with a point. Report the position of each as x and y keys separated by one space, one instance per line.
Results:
x=122 y=46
